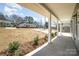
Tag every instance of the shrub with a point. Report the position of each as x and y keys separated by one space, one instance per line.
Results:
x=18 y=53
x=36 y=39
x=13 y=46
x=52 y=34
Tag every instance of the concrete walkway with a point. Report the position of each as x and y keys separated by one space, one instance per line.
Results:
x=61 y=46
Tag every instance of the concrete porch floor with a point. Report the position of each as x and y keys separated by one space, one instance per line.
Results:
x=61 y=46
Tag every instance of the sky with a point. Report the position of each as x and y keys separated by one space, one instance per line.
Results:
x=13 y=8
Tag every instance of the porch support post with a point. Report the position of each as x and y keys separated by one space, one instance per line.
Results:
x=60 y=28
x=57 y=28
x=49 y=29
x=70 y=27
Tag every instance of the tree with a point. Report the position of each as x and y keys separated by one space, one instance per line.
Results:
x=26 y=19
x=2 y=17
x=36 y=23
x=29 y=19
x=16 y=19
x=46 y=24
x=19 y=20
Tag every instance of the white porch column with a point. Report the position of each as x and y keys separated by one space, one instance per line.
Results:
x=49 y=29
x=60 y=28
x=70 y=28
x=57 y=28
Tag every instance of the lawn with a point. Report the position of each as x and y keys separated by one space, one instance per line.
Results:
x=20 y=34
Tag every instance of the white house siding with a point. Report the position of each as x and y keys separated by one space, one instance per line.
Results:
x=26 y=25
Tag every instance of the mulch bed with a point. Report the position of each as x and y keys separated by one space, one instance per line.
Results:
x=25 y=48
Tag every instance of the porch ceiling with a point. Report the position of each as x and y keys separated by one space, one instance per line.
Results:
x=62 y=11
x=38 y=8
x=35 y=7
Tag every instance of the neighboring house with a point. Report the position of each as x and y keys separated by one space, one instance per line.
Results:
x=5 y=23
x=27 y=25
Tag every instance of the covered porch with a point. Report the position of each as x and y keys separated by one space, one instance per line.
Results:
x=63 y=44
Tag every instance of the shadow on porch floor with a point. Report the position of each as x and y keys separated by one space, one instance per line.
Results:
x=61 y=46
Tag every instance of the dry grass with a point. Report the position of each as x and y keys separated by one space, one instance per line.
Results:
x=21 y=34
